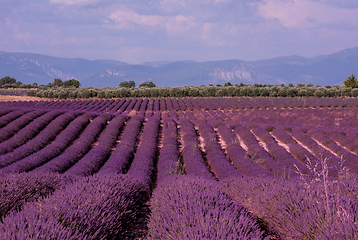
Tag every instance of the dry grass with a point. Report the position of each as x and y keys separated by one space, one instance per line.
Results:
x=7 y=98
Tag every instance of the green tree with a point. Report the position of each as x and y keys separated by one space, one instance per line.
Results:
x=57 y=82
x=125 y=84
x=228 y=84
x=147 y=84
x=18 y=83
x=7 y=80
x=72 y=82
x=351 y=82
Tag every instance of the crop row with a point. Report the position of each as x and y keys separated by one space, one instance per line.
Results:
x=91 y=174
x=269 y=147
x=168 y=104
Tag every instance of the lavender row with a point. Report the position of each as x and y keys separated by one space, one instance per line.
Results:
x=130 y=106
x=237 y=154
x=143 y=107
x=189 y=207
x=156 y=106
x=96 y=207
x=77 y=150
x=334 y=147
x=192 y=156
x=97 y=156
x=188 y=104
x=142 y=166
x=260 y=156
x=343 y=140
x=129 y=102
x=52 y=150
x=320 y=152
x=279 y=153
x=40 y=141
x=191 y=103
x=175 y=104
x=169 y=104
x=301 y=153
x=118 y=103
x=169 y=161
x=17 y=189
x=121 y=157
x=162 y=104
x=190 y=116
x=217 y=160
x=182 y=104
x=11 y=116
x=4 y=111
x=13 y=127
x=28 y=132
x=297 y=209
x=138 y=104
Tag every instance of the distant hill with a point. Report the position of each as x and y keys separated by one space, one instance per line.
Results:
x=323 y=70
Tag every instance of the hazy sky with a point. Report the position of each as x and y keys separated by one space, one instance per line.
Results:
x=136 y=31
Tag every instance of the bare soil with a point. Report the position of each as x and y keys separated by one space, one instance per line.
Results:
x=7 y=98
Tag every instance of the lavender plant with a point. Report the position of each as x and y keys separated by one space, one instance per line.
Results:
x=52 y=150
x=39 y=142
x=121 y=157
x=13 y=127
x=77 y=150
x=177 y=213
x=97 y=207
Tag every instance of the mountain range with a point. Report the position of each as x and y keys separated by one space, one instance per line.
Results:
x=331 y=69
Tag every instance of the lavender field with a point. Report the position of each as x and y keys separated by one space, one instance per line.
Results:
x=179 y=168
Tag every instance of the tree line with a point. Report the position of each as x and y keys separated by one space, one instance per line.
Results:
x=71 y=89
x=9 y=82
x=240 y=90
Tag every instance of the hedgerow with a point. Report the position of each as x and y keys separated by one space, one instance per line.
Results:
x=257 y=90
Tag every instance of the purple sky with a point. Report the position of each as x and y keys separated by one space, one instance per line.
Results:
x=137 y=31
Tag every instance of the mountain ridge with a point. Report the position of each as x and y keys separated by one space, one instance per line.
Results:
x=330 y=69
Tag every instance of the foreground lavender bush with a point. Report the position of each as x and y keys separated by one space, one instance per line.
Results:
x=16 y=189
x=36 y=226
x=186 y=207
x=100 y=207
x=300 y=209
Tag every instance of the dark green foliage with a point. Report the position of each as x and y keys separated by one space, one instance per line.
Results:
x=7 y=80
x=85 y=94
x=101 y=94
x=129 y=84
x=351 y=82
x=18 y=83
x=147 y=84
x=318 y=94
x=72 y=83
x=57 y=82
x=257 y=90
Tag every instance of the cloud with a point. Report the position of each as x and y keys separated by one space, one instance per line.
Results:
x=305 y=14
x=128 y=19
x=80 y=2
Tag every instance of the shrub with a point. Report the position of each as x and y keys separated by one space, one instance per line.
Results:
x=101 y=94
